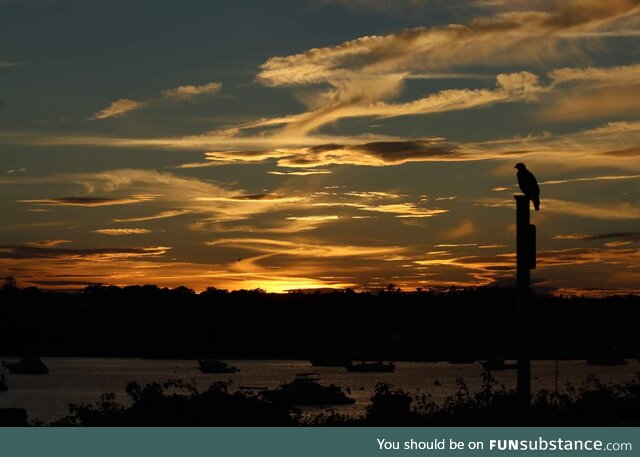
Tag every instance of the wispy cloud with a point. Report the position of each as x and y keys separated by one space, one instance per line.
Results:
x=189 y=92
x=300 y=172
x=594 y=147
x=291 y=248
x=123 y=106
x=46 y=243
x=313 y=218
x=89 y=201
x=385 y=62
x=160 y=215
x=591 y=93
x=118 y=108
x=589 y=179
x=400 y=210
x=97 y=254
x=522 y=86
x=633 y=236
x=598 y=76
x=463 y=229
x=605 y=211
x=122 y=231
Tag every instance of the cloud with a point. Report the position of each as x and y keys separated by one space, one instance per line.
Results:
x=465 y=228
x=256 y=198
x=511 y=38
x=592 y=103
x=189 y=92
x=633 y=236
x=89 y=201
x=610 y=211
x=557 y=264
x=123 y=106
x=463 y=245
x=16 y=170
x=598 y=76
x=377 y=153
x=572 y=236
x=160 y=215
x=313 y=218
x=373 y=194
x=300 y=172
x=607 y=211
x=593 y=92
x=209 y=202
x=96 y=254
x=46 y=243
x=589 y=179
x=405 y=210
x=593 y=147
x=291 y=248
x=366 y=101
x=362 y=74
x=122 y=231
x=118 y=108
x=400 y=210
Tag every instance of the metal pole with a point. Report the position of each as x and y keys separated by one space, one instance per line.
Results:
x=523 y=298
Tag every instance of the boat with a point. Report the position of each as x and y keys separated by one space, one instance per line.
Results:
x=215 y=366
x=371 y=367
x=27 y=365
x=306 y=389
x=498 y=365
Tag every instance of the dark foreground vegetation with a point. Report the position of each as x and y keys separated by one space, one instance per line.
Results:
x=177 y=404
x=147 y=321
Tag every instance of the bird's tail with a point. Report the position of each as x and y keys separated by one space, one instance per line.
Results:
x=536 y=204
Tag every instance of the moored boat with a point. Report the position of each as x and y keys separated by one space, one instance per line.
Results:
x=498 y=365
x=305 y=389
x=215 y=366
x=371 y=367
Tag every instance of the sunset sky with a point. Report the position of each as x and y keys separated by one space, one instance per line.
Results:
x=318 y=143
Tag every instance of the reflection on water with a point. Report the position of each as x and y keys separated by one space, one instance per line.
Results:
x=46 y=397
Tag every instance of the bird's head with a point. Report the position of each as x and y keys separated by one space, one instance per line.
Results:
x=520 y=166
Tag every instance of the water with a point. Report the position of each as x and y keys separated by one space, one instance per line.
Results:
x=76 y=380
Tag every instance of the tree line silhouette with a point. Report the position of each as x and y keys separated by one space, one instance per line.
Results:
x=149 y=321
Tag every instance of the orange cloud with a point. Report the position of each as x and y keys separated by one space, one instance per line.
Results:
x=118 y=108
x=189 y=92
x=89 y=201
x=122 y=231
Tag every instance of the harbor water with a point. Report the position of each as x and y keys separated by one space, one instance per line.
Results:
x=84 y=380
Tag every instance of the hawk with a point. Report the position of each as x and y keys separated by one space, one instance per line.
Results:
x=528 y=185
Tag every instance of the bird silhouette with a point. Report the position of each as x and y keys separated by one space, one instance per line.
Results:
x=528 y=185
